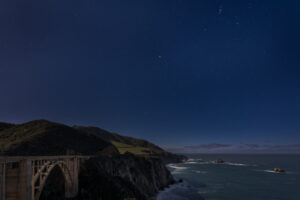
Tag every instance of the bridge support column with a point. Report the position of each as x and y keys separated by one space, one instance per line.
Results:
x=2 y=180
x=23 y=178
x=24 y=185
x=71 y=185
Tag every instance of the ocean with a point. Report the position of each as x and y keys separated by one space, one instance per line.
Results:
x=241 y=177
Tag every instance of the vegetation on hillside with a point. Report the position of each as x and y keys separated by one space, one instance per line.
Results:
x=4 y=126
x=132 y=145
x=42 y=137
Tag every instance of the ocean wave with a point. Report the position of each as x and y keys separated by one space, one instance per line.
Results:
x=269 y=171
x=273 y=172
x=177 y=167
x=202 y=191
x=194 y=159
x=168 y=193
x=236 y=164
x=206 y=162
x=190 y=162
x=200 y=172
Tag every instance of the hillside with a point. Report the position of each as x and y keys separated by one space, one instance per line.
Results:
x=42 y=137
x=4 y=126
x=132 y=145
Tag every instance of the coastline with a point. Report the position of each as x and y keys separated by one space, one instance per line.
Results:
x=237 y=176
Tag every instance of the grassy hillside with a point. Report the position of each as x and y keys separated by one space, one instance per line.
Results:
x=138 y=150
x=132 y=145
x=42 y=137
x=123 y=143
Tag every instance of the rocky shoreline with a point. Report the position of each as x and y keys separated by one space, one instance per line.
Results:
x=117 y=177
x=125 y=177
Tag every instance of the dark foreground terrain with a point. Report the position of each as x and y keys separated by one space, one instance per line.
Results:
x=121 y=167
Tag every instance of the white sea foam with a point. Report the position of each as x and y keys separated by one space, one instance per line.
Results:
x=190 y=162
x=269 y=171
x=205 y=191
x=202 y=192
x=194 y=159
x=168 y=193
x=177 y=167
x=272 y=171
x=200 y=172
x=206 y=162
x=235 y=164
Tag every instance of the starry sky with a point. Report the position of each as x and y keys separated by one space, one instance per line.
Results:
x=184 y=74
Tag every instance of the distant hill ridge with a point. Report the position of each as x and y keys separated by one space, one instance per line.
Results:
x=42 y=137
x=4 y=126
x=126 y=144
x=116 y=138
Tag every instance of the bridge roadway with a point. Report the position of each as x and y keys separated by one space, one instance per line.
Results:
x=24 y=177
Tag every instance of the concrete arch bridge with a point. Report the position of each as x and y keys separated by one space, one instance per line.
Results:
x=23 y=178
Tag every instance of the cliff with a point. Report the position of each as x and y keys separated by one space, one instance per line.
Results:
x=123 y=177
x=119 y=177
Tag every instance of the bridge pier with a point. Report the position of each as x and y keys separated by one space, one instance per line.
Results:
x=23 y=178
x=71 y=186
x=15 y=182
x=24 y=189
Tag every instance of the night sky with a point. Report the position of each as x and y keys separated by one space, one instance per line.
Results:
x=197 y=74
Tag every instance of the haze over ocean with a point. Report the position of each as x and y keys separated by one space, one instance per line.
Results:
x=191 y=76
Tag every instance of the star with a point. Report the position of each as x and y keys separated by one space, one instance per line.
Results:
x=220 y=11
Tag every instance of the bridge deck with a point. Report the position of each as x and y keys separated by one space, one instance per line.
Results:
x=19 y=158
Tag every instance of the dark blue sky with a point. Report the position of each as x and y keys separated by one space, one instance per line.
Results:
x=175 y=72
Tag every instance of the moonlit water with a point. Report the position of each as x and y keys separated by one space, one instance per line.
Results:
x=241 y=177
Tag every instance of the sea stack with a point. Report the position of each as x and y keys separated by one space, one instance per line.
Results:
x=278 y=170
x=218 y=161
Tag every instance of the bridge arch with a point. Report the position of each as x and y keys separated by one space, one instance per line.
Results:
x=40 y=178
x=54 y=187
x=24 y=177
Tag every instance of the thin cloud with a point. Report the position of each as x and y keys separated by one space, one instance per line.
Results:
x=209 y=146
x=240 y=148
x=252 y=146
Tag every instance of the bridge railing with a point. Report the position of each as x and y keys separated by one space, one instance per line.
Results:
x=6 y=159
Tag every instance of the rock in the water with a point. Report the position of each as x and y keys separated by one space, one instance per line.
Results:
x=278 y=170
x=219 y=161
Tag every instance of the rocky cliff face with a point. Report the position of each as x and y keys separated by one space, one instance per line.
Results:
x=123 y=177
